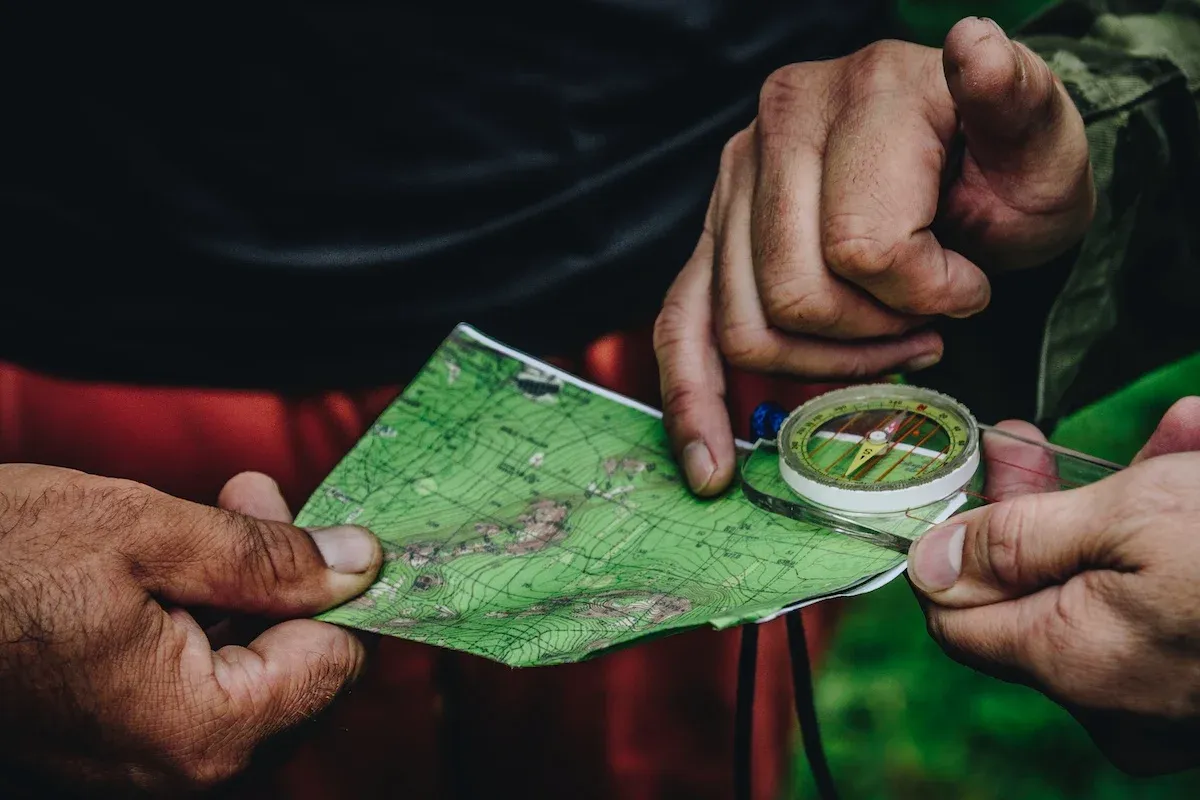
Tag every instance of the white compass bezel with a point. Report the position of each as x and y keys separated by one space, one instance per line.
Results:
x=882 y=498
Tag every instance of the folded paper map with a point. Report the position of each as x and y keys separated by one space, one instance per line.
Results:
x=531 y=518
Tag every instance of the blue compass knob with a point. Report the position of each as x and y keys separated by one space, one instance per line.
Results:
x=766 y=420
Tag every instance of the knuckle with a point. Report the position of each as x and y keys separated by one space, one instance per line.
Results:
x=998 y=545
x=997 y=542
x=854 y=248
x=855 y=365
x=736 y=149
x=1003 y=558
x=276 y=559
x=880 y=66
x=782 y=92
x=860 y=365
x=788 y=306
x=746 y=347
x=1061 y=629
x=679 y=398
x=263 y=552
x=668 y=327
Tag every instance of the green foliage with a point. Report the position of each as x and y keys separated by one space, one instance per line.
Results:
x=901 y=720
x=929 y=20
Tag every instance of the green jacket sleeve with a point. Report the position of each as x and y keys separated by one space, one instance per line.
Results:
x=1127 y=300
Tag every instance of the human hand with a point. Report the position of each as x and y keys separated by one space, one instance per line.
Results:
x=1091 y=596
x=106 y=682
x=819 y=256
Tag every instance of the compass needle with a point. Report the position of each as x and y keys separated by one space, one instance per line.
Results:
x=866 y=451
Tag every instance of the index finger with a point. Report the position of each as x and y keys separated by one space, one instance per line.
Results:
x=236 y=697
x=1065 y=641
x=1017 y=466
x=881 y=185
x=691 y=376
x=1177 y=432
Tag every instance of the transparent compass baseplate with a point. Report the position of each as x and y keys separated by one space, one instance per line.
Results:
x=998 y=464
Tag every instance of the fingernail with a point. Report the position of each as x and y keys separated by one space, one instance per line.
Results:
x=937 y=558
x=698 y=465
x=345 y=548
x=1019 y=62
x=993 y=23
x=922 y=362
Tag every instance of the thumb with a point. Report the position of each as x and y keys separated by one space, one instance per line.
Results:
x=1013 y=548
x=219 y=559
x=1015 y=115
x=1025 y=193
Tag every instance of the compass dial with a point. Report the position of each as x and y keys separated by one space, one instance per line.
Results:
x=879 y=448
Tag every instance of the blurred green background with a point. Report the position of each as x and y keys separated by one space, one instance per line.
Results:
x=899 y=719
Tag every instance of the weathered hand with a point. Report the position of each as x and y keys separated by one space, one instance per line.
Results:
x=841 y=221
x=106 y=681
x=1090 y=595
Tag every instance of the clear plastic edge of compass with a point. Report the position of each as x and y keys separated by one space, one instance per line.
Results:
x=1011 y=465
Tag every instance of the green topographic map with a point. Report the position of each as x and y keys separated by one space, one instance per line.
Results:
x=530 y=518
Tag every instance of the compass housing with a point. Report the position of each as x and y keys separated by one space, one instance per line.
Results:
x=871 y=449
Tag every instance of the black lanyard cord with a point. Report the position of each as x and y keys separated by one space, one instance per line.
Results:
x=806 y=708
x=806 y=711
x=743 y=726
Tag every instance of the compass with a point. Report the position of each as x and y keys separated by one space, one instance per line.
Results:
x=878 y=448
